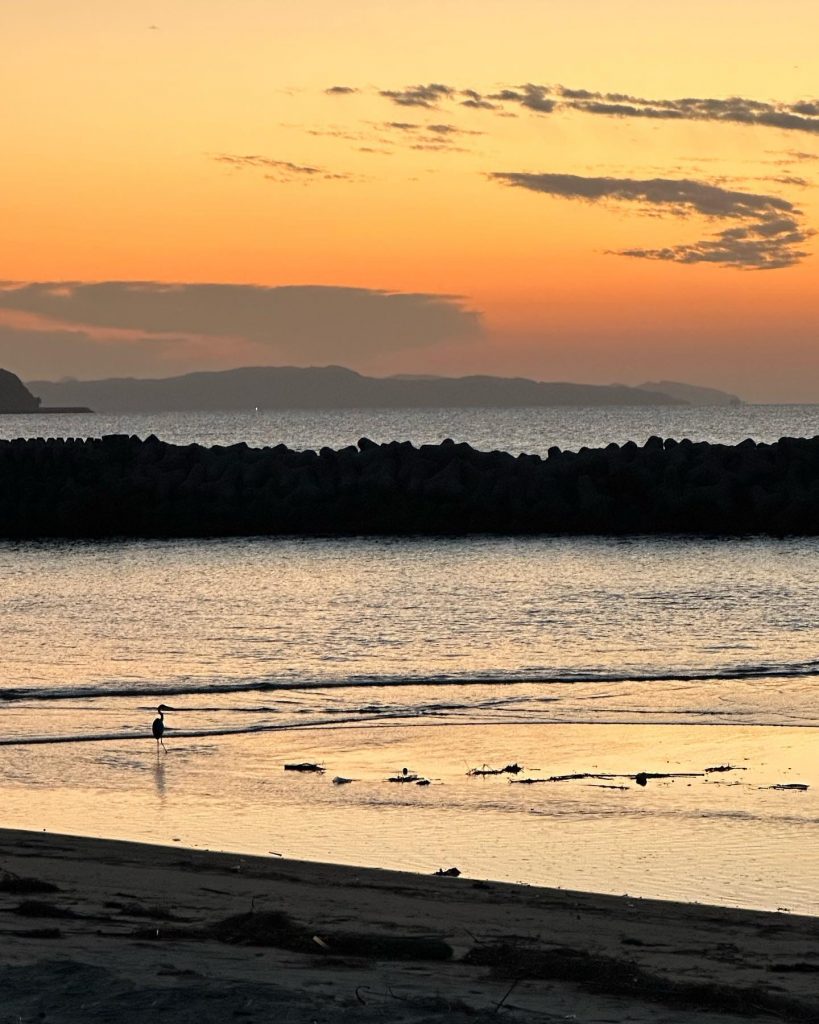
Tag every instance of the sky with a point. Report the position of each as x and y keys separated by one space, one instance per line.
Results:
x=598 y=191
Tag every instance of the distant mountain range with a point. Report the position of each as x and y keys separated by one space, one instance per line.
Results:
x=334 y=387
x=691 y=394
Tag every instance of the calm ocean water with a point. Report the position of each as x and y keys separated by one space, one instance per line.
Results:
x=608 y=656
x=514 y=430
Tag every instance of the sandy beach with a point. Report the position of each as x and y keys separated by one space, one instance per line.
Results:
x=98 y=930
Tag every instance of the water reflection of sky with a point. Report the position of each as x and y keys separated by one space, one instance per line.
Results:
x=721 y=838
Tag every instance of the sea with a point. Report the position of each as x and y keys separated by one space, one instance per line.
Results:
x=579 y=663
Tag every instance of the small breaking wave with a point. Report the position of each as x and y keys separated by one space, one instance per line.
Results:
x=559 y=677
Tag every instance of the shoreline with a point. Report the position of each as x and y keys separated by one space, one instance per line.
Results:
x=133 y=926
x=721 y=838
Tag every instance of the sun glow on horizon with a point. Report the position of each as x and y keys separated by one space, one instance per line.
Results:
x=647 y=201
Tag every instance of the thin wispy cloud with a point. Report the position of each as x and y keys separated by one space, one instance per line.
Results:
x=441 y=137
x=331 y=133
x=791 y=156
x=283 y=171
x=788 y=179
x=768 y=236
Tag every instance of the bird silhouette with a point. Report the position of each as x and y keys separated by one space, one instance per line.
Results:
x=158 y=727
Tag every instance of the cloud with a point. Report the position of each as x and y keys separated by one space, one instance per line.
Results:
x=439 y=137
x=801 y=116
x=430 y=129
x=333 y=133
x=762 y=246
x=419 y=95
x=735 y=109
x=790 y=156
x=682 y=195
x=232 y=324
x=50 y=354
x=786 y=179
x=767 y=238
x=476 y=101
x=283 y=171
x=340 y=90
x=449 y=129
x=533 y=97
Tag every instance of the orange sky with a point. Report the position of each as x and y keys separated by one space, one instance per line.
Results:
x=113 y=171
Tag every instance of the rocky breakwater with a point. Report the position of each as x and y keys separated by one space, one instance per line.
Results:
x=124 y=486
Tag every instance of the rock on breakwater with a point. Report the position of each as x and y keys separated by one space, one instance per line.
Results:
x=123 y=486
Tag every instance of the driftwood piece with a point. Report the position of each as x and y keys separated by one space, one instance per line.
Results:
x=725 y=768
x=582 y=775
x=641 y=778
x=797 y=787
x=510 y=769
x=305 y=766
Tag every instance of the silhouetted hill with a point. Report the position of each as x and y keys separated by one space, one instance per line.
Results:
x=14 y=395
x=330 y=387
x=692 y=393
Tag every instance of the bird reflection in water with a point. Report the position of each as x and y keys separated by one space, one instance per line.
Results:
x=159 y=778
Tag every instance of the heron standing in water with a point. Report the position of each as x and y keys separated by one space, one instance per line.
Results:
x=158 y=727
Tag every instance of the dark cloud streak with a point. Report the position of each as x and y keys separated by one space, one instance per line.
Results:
x=419 y=95
x=434 y=137
x=767 y=238
x=291 y=323
x=281 y=171
x=801 y=116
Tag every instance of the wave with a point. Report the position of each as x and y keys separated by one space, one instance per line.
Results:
x=559 y=677
x=353 y=720
x=412 y=717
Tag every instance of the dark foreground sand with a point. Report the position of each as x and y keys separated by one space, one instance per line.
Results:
x=138 y=933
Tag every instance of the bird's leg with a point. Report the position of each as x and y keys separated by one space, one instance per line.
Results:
x=163 y=746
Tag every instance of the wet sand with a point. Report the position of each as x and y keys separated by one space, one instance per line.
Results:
x=132 y=932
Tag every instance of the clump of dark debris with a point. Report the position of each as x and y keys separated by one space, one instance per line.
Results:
x=275 y=928
x=611 y=976
x=17 y=885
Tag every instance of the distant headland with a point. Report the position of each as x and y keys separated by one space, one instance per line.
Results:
x=16 y=399
x=336 y=387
